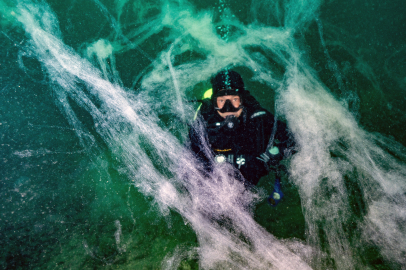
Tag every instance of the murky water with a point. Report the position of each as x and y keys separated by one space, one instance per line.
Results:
x=94 y=119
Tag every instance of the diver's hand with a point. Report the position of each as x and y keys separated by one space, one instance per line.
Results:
x=271 y=156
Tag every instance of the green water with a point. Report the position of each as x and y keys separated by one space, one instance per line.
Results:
x=93 y=123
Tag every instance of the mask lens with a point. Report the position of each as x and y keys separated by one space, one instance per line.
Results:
x=228 y=107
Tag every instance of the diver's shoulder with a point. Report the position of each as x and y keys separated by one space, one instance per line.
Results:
x=207 y=106
x=258 y=112
x=207 y=110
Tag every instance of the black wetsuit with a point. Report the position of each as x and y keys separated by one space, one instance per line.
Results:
x=243 y=145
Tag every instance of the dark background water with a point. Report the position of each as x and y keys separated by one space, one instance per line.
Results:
x=61 y=202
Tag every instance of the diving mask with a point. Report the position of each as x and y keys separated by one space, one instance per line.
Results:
x=229 y=107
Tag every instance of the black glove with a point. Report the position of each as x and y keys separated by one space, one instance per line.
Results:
x=271 y=156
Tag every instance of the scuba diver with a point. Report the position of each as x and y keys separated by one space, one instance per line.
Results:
x=232 y=127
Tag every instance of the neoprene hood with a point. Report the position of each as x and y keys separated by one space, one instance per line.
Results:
x=227 y=82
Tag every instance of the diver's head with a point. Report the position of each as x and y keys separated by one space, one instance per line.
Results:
x=229 y=105
x=228 y=88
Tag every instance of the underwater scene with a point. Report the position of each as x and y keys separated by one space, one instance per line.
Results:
x=96 y=100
